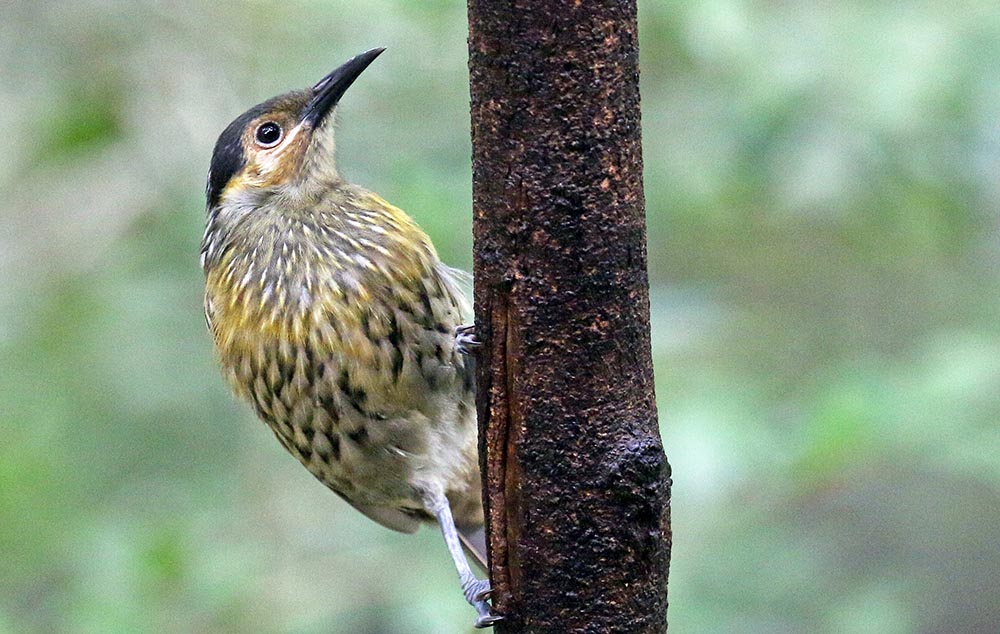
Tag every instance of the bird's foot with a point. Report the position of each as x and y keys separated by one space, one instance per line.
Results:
x=465 y=339
x=477 y=590
x=487 y=620
x=476 y=593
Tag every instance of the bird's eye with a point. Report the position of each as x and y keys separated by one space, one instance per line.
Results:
x=268 y=134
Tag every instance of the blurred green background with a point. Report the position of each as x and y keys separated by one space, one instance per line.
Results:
x=822 y=189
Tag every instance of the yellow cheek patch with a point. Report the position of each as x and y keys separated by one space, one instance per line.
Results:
x=237 y=183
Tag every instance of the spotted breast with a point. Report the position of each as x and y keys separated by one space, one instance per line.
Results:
x=338 y=326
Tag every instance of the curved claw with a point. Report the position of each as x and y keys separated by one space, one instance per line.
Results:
x=483 y=594
x=465 y=339
x=487 y=620
x=476 y=590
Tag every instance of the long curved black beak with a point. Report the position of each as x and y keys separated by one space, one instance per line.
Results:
x=331 y=88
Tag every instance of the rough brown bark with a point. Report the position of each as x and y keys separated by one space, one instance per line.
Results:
x=577 y=484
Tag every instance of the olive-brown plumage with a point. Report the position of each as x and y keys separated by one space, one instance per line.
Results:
x=333 y=316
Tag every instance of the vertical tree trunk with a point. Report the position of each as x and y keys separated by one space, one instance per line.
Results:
x=578 y=487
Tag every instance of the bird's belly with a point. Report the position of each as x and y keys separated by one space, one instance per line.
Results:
x=367 y=420
x=372 y=398
x=359 y=458
x=322 y=415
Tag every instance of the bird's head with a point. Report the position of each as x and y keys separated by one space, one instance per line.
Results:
x=284 y=143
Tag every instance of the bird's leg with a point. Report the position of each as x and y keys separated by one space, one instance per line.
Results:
x=465 y=339
x=475 y=590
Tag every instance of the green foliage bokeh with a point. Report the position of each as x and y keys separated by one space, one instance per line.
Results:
x=822 y=193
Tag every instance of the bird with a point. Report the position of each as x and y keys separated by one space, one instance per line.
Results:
x=334 y=317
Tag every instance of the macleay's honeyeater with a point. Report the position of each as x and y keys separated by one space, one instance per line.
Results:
x=333 y=316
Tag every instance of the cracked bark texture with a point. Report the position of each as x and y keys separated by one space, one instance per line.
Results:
x=577 y=487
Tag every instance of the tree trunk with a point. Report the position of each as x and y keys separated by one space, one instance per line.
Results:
x=576 y=483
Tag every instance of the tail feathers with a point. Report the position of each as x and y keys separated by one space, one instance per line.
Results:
x=474 y=541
